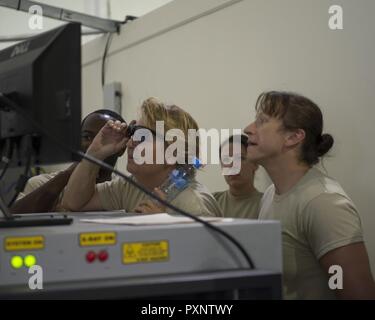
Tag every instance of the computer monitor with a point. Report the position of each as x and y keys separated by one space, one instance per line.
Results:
x=42 y=75
x=40 y=98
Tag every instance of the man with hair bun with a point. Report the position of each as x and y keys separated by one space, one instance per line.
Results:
x=321 y=227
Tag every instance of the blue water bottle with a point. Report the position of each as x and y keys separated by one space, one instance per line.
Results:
x=179 y=179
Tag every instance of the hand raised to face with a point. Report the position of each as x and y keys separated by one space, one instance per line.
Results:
x=111 y=139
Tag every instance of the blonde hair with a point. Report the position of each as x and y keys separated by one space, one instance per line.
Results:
x=174 y=117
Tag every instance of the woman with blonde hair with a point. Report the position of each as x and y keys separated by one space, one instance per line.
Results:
x=83 y=195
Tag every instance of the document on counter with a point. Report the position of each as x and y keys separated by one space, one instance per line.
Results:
x=153 y=219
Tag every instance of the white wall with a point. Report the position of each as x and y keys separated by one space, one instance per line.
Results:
x=214 y=58
x=120 y=8
x=15 y=23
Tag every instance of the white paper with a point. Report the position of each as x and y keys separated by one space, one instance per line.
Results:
x=153 y=219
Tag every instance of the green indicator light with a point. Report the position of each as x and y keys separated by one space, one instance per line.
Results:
x=30 y=261
x=16 y=262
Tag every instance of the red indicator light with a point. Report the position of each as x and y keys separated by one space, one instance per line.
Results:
x=90 y=256
x=103 y=256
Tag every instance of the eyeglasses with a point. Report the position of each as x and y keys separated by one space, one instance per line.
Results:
x=132 y=128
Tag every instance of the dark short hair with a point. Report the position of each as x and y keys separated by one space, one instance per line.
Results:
x=298 y=112
x=105 y=112
x=244 y=139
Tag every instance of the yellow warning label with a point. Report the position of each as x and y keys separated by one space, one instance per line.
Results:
x=24 y=243
x=138 y=252
x=97 y=239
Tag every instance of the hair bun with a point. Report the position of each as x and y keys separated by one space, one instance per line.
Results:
x=325 y=143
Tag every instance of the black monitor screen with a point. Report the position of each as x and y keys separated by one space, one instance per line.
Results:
x=42 y=75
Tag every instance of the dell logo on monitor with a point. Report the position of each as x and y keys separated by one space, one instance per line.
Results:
x=20 y=49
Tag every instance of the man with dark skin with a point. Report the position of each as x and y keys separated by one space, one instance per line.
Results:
x=43 y=193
